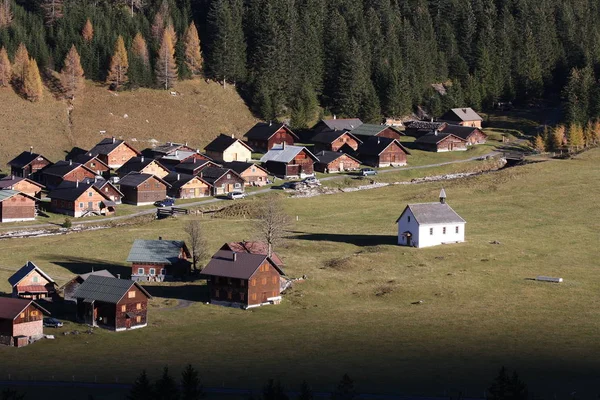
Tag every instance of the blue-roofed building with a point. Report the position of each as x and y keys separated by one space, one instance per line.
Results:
x=159 y=260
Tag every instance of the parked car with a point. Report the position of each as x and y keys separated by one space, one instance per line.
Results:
x=236 y=195
x=312 y=181
x=168 y=202
x=52 y=322
x=368 y=172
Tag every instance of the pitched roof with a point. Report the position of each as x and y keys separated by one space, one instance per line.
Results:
x=433 y=213
x=177 y=179
x=427 y=125
x=461 y=131
x=371 y=129
x=10 y=307
x=83 y=277
x=62 y=168
x=8 y=193
x=212 y=174
x=436 y=137
x=374 y=146
x=26 y=270
x=135 y=179
x=253 y=248
x=157 y=251
x=330 y=136
x=244 y=266
x=223 y=142
x=108 y=145
x=170 y=147
x=180 y=155
x=106 y=289
x=463 y=114
x=264 y=130
x=87 y=157
x=9 y=181
x=241 y=166
x=24 y=159
x=285 y=153
x=326 y=157
x=138 y=163
x=71 y=191
x=341 y=124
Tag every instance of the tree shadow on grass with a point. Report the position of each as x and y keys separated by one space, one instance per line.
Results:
x=81 y=265
x=362 y=240
x=196 y=293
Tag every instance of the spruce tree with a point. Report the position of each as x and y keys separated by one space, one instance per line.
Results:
x=344 y=390
x=87 y=33
x=193 y=56
x=5 y=68
x=191 y=388
x=352 y=82
x=139 y=63
x=53 y=11
x=141 y=389
x=305 y=392
x=20 y=63
x=165 y=68
x=71 y=75
x=32 y=83
x=119 y=64
x=165 y=387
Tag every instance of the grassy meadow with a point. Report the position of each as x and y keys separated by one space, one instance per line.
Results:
x=480 y=309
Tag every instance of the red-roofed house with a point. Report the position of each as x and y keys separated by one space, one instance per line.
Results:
x=21 y=321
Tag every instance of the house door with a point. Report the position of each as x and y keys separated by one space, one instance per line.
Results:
x=341 y=166
x=229 y=187
x=264 y=297
x=408 y=241
x=451 y=146
x=197 y=192
x=90 y=205
x=128 y=323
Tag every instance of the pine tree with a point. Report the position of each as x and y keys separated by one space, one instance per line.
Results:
x=165 y=387
x=191 y=388
x=71 y=76
x=171 y=30
x=20 y=63
x=305 y=392
x=119 y=64
x=596 y=132
x=5 y=68
x=53 y=11
x=352 y=82
x=32 y=83
x=165 y=68
x=141 y=389
x=87 y=33
x=575 y=136
x=139 y=71
x=538 y=144
x=507 y=387
x=193 y=57
x=274 y=391
x=6 y=14
x=345 y=389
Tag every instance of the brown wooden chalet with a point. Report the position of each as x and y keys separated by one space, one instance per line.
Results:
x=107 y=189
x=225 y=148
x=440 y=142
x=140 y=189
x=222 y=180
x=23 y=185
x=159 y=260
x=69 y=288
x=16 y=206
x=171 y=161
x=472 y=135
x=30 y=282
x=253 y=247
x=93 y=162
x=289 y=161
x=111 y=303
x=194 y=166
x=382 y=152
x=463 y=116
x=243 y=280
x=335 y=141
x=143 y=165
x=264 y=135
x=114 y=152
x=367 y=131
x=61 y=171
x=419 y=128
x=21 y=321
x=334 y=161
x=184 y=186
x=337 y=124
x=28 y=164
x=81 y=199
x=252 y=173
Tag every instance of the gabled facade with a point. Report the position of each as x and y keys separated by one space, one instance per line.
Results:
x=94 y=163
x=80 y=199
x=184 y=186
x=289 y=161
x=30 y=282
x=337 y=124
x=226 y=148
x=28 y=164
x=222 y=180
x=463 y=116
x=335 y=141
x=367 y=131
x=61 y=171
x=16 y=206
x=265 y=135
x=113 y=152
x=253 y=247
x=143 y=165
x=472 y=135
x=69 y=288
x=23 y=185
x=441 y=142
x=382 y=152
x=252 y=173
x=21 y=321
x=332 y=161
x=141 y=189
x=159 y=260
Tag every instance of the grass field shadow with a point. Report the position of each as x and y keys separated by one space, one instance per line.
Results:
x=80 y=265
x=197 y=293
x=362 y=240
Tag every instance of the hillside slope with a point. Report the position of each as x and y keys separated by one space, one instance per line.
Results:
x=196 y=114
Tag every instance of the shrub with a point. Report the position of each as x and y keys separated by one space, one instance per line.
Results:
x=67 y=223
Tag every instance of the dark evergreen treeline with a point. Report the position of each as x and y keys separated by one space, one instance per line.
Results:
x=365 y=58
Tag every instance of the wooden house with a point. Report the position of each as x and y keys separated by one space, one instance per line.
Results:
x=463 y=116
x=141 y=189
x=55 y=174
x=159 y=260
x=226 y=148
x=264 y=135
x=337 y=124
x=335 y=141
x=430 y=224
x=243 y=280
x=111 y=303
x=382 y=152
x=21 y=321
x=254 y=247
x=109 y=190
x=143 y=165
x=171 y=161
x=114 y=152
x=184 y=186
x=69 y=288
x=92 y=162
x=80 y=199
x=28 y=164
x=30 y=282
x=334 y=161
x=472 y=135
x=167 y=149
x=222 y=180
x=16 y=206
x=419 y=128
x=194 y=166
x=440 y=142
x=252 y=173
x=367 y=131
x=23 y=185
x=289 y=161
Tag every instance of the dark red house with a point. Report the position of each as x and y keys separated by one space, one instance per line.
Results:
x=28 y=165
x=21 y=321
x=382 y=152
x=367 y=131
x=140 y=189
x=334 y=161
x=114 y=152
x=472 y=135
x=16 y=206
x=222 y=180
x=289 y=161
x=94 y=163
x=441 y=142
x=159 y=260
x=335 y=141
x=264 y=135
x=55 y=174
x=337 y=124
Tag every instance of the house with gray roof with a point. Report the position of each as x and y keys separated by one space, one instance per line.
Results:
x=69 y=288
x=367 y=131
x=337 y=124
x=430 y=224
x=112 y=303
x=463 y=116
x=287 y=161
x=264 y=135
x=16 y=206
x=159 y=260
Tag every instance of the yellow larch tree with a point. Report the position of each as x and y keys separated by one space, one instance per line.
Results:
x=193 y=55
x=5 y=68
x=32 y=83
x=20 y=63
x=117 y=72
x=88 y=31
x=71 y=75
x=166 y=68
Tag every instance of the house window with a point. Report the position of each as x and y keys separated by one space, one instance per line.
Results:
x=456 y=229
x=431 y=231
x=409 y=218
x=22 y=315
x=162 y=271
x=264 y=281
x=444 y=230
x=34 y=313
x=131 y=294
x=253 y=296
x=229 y=295
x=237 y=185
x=228 y=176
x=35 y=279
x=93 y=165
x=266 y=268
x=140 y=271
x=138 y=306
x=253 y=281
x=80 y=205
x=274 y=279
x=152 y=271
x=123 y=308
x=90 y=194
x=138 y=319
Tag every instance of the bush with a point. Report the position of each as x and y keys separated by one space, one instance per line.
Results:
x=67 y=223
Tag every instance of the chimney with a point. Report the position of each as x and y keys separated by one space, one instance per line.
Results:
x=435 y=132
x=464 y=110
x=185 y=144
x=233 y=135
x=270 y=123
x=113 y=139
x=176 y=153
x=431 y=119
x=70 y=162
x=118 y=276
x=378 y=140
x=283 y=146
x=77 y=183
x=201 y=174
x=233 y=256
x=443 y=196
x=160 y=238
x=334 y=116
x=31 y=149
x=178 y=176
x=142 y=158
